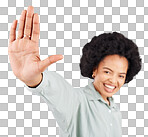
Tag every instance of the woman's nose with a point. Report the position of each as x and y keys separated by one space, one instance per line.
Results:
x=113 y=80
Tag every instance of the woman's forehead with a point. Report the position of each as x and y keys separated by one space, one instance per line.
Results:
x=114 y=62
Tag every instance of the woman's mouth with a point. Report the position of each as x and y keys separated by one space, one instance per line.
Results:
x=109 y=88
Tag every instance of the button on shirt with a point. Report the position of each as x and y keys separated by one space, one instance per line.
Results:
x=79 y=112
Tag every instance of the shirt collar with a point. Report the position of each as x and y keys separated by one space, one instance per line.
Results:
x=93 y=95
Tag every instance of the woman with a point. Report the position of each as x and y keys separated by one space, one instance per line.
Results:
x=110 y=59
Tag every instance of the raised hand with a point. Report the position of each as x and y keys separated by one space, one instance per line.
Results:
x=24 y=51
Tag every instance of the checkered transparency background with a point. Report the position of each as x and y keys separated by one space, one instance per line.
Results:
x=66 y=26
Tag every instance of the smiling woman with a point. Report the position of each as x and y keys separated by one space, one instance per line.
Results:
x=110 y=59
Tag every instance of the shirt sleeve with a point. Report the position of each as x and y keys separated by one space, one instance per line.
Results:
x=60 y=96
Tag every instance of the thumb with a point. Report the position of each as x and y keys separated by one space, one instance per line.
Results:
x=48 y=61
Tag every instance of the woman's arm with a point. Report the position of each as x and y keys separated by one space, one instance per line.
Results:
x=27 y=66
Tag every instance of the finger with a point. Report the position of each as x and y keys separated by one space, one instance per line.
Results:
x=12 y=35
x=28 y=21
x=36 y=29
x=22 y=24
x=48 y=61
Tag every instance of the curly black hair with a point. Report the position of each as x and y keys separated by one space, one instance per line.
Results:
x=109 y=44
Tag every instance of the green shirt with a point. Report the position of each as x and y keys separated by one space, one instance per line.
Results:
x=79 y=112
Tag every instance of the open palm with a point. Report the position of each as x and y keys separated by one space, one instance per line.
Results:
x=24 y=51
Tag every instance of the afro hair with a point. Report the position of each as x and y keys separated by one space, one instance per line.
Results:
x=109 y=44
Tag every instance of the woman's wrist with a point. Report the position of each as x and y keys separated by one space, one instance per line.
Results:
x=36 y=82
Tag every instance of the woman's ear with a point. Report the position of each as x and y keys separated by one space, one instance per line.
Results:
x=94 y=72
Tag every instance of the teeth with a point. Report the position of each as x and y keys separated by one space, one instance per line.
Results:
x=108 y=86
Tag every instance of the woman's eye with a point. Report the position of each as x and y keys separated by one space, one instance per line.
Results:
x=107 y=72
x=121 y=76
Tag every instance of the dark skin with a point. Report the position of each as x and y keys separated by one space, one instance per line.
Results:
x=110 y=75
x=24 y=51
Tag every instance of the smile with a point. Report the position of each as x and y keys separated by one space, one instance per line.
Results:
x=109 y=88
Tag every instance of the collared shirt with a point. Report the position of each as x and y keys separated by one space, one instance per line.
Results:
x=79 y=112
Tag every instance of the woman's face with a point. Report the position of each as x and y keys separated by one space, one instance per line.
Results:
x=110 y=75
